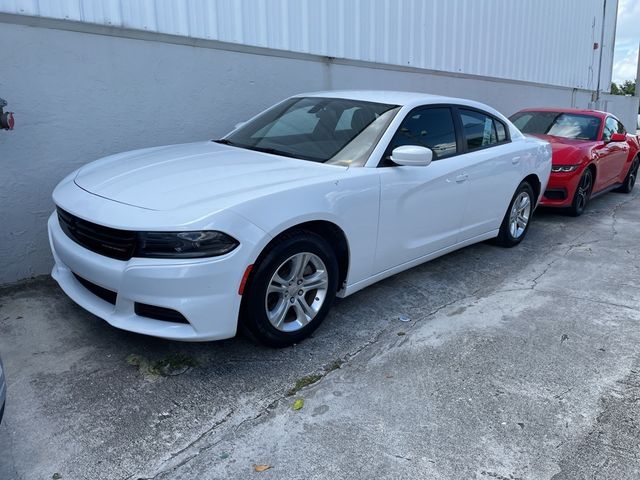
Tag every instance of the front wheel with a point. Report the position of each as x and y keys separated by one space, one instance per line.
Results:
x=630 y=179
x=583 y=194
x=291 y=291
x=516 y=221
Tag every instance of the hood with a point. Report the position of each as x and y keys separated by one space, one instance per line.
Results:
x=176 y=176
x=566 y=151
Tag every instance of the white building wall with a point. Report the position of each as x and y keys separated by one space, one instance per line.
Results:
x=542 y=41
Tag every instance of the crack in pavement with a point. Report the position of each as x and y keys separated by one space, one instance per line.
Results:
x=593 y=300
x=233 y=429
x=613 y=430
x=187 y=447
x=615 y=210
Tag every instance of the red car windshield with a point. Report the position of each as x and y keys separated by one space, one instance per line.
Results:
x=559 y=124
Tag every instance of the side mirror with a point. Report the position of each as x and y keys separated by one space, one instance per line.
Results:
x=412 y=156
x=238 y=125
x=618 y=137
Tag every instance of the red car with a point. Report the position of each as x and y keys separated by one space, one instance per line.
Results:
x=592 y=154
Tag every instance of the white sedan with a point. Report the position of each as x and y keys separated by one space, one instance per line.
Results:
x=317 y=197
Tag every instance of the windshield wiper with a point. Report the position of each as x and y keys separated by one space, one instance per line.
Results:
x=224 y=141
x=272 y=151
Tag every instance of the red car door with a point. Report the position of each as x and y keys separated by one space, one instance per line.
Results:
x=612 y=155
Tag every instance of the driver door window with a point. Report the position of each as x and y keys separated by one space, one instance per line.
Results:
x=610 y=127
x=613 y=155
x=427 y=127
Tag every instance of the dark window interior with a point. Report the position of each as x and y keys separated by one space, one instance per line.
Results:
x=501 y=131
x=310 y=128
x=430 y=127
x=479 y=129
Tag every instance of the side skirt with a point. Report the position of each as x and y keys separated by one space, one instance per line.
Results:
x=407 y=265
x=605 y=190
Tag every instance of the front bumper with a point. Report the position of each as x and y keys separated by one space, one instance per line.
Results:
x=561 y=188
x=204 y=291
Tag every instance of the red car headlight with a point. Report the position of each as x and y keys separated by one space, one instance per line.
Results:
x=564 y=168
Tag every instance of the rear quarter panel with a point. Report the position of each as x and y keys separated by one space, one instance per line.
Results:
x=537 y=161
x=495 y=174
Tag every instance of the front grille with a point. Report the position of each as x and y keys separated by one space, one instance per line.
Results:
x=159 y=313
x=98 y=291
x=110 y=242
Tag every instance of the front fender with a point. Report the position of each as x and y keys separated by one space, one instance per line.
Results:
x=351 y=203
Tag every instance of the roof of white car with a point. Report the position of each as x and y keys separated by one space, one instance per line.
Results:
x=386 y=96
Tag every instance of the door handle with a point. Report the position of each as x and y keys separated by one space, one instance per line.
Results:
x=462 y=178
x=515 y=160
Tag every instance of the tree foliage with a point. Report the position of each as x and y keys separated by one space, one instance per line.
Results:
x=628 y=87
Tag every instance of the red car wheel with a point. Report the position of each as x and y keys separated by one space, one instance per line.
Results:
x=583 y=193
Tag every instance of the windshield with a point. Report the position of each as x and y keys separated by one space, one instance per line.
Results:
x=332 y=130
x=558 y=124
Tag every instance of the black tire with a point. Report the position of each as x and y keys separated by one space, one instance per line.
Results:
x=255 y=301
x=506 y=238
x=583 y=193
x=630 y=179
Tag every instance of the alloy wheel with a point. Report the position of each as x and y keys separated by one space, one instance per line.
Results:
x=633 y=174
x=584 y=190
x=520 y=214
x=296 y=292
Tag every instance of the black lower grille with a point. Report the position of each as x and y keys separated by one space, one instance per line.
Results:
x=98 y=291
x=110 y=242
x=159 y=313
x=555 y=194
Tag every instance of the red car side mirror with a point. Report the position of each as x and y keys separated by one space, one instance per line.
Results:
x=618 y=137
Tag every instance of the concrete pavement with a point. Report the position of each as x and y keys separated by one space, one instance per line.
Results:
x=515 y=364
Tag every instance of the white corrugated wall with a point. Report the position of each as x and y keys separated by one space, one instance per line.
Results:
x=543 y=41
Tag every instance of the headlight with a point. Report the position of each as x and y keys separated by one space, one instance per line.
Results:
x=184 y=244
x=564 y=168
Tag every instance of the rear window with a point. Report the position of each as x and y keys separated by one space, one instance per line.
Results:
x=481 y=130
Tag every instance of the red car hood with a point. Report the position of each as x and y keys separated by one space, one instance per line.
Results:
x=567 y=151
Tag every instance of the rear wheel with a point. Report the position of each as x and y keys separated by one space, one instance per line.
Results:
x=516 y=221
x=291 y=291
x=583 y=194
x=630 y=180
